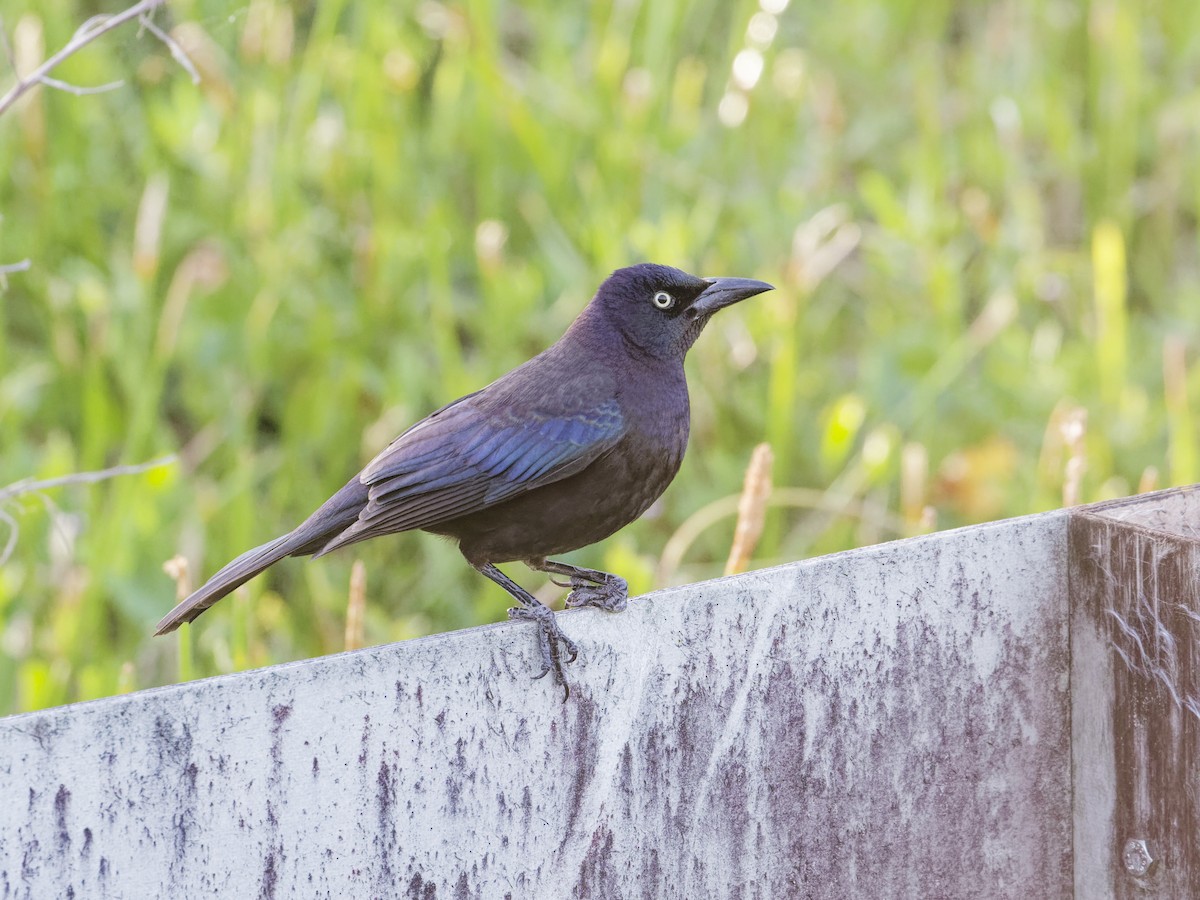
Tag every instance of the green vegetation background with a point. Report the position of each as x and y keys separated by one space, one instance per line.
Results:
x=982 y=218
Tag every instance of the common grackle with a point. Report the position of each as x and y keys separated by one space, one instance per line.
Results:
x=557 y=454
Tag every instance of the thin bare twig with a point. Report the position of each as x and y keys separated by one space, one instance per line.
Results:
x=27 y=486
x=177 y=52
x=90 y=30
x=80 y=90
x=10 y=268
x=11 y=544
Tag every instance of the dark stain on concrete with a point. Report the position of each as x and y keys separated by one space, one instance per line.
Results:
x=365 y=740
x=29 y=868
x=62 y=801
x=270 y=878
x=596 y=870
x=626 y=774
x=273 y=860
x=459 y=776
x=385 y=838
x=173 y=746
x=280 y=713
x=584 y=753
x=526 y=807
x=420 y=889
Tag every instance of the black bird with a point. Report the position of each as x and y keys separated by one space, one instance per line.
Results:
x=559 y=453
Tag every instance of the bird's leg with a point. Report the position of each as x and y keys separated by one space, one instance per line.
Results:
x=589 y=587
x=551 y=639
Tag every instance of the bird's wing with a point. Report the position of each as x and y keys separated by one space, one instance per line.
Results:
x=463 y=459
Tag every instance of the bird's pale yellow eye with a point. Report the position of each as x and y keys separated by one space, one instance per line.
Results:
x=663 y=300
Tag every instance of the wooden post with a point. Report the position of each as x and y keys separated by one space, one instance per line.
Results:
x=1135 y=638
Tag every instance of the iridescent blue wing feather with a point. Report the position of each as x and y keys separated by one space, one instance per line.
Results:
x=464 y=458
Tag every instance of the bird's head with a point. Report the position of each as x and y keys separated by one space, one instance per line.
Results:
x=662 y=310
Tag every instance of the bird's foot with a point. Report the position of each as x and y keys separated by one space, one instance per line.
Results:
x=589 y=587
x=551 y=642
x=611 y=594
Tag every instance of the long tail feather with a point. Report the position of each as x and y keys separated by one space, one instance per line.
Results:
x=331 y=519
x=227 y=580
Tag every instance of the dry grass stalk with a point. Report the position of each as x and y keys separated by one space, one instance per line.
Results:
x=914 y=484
x=357 y=606
x=752 y=509
x=177 y=568
x=1149 y=480
x=1073 y=428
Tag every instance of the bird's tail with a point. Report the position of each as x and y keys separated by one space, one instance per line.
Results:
x=335 y=514
x=227 y=580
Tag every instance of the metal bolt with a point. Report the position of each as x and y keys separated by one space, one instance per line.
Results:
x=1137 y=859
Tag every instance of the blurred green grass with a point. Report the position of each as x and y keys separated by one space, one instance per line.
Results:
x=982 y=219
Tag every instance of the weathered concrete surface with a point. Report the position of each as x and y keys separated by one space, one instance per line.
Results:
x=1135 y=636
x=890 y=722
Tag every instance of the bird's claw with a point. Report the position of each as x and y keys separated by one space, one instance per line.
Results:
x=612 y=596
x=551 y=641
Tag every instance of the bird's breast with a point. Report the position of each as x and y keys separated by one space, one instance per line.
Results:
x=656 y=407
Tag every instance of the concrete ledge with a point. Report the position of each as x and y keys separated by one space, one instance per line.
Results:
x=887 y=722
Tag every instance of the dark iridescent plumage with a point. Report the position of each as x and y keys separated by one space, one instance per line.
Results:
x=559 y=453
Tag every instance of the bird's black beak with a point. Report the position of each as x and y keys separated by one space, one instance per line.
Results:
x=723 y=292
